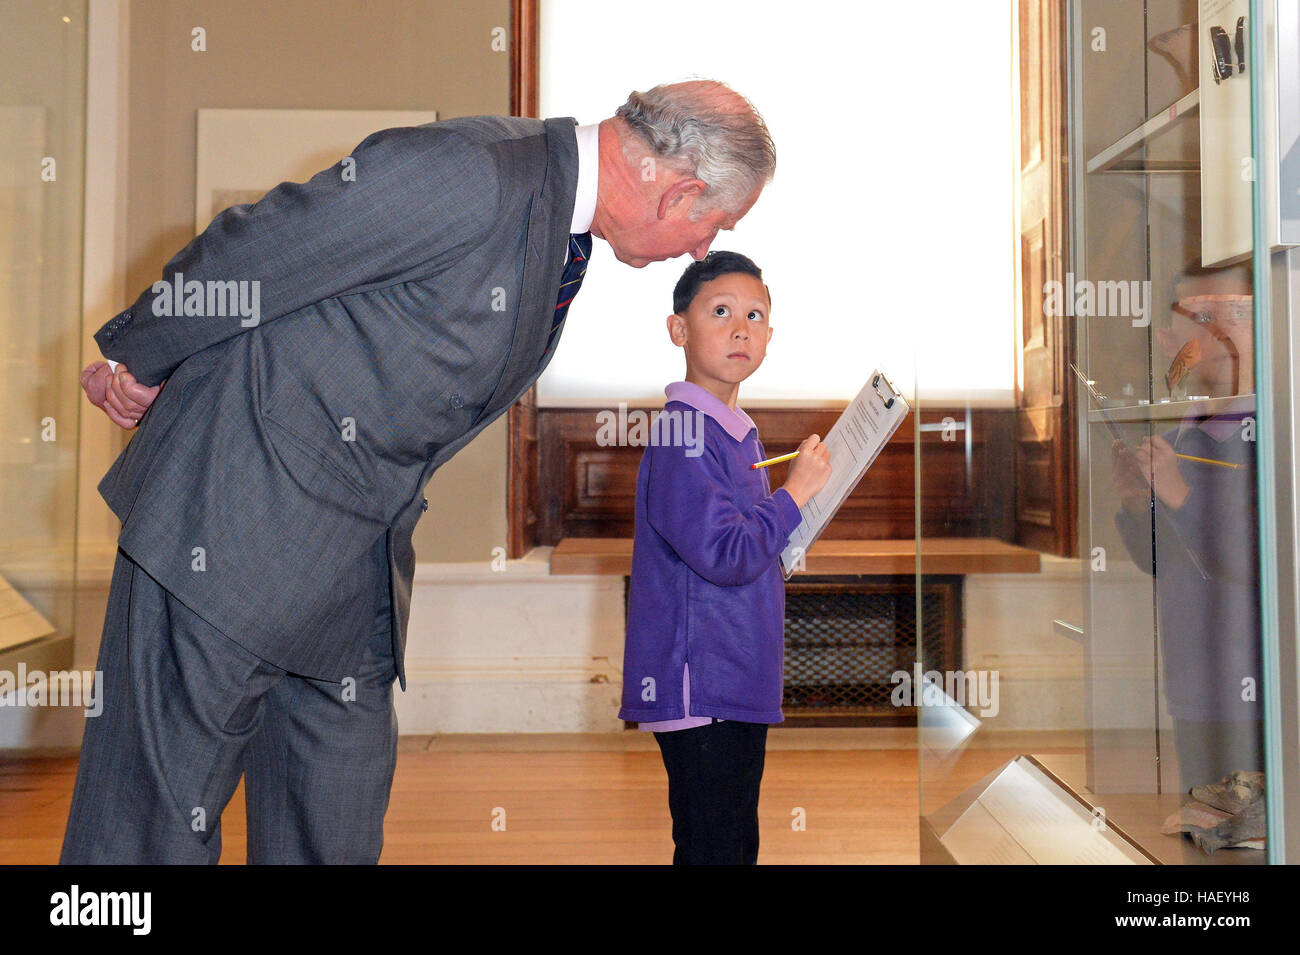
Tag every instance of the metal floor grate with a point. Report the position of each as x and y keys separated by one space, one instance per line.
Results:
x=843 y=643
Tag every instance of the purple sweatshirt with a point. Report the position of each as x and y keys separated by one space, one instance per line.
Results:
x=706 y=585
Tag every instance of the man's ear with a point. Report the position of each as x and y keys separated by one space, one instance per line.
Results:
x=770 y=330
x=682 y=191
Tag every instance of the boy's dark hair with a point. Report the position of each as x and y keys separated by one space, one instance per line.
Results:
x=707 y=269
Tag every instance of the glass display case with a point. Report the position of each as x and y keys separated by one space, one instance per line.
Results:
x=1140 y=715
x=42 y=130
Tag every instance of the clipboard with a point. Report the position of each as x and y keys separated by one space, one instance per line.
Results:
x=854 y=442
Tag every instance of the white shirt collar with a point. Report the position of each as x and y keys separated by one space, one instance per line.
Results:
x=584 y=208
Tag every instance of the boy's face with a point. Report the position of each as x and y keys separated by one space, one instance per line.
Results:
x=725 y=329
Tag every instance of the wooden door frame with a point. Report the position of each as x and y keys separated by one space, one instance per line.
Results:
x=1046 y=446
x=521 y=442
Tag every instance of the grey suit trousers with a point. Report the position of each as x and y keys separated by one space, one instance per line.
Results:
x=187 y=710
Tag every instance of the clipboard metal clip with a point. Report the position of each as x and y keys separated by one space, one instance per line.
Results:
x=875 y=383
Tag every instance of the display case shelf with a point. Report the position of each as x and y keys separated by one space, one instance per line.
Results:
x=1172 y=410
x=1069 y=630
x=1111 y=159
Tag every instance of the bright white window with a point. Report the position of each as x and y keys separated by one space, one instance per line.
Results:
x=888 y=235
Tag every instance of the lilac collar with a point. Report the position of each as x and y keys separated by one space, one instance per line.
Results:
x=735 y=422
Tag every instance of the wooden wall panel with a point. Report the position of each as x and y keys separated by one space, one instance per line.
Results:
x=586 y=490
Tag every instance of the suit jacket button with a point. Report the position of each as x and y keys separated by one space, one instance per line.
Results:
x=456 y=400
x=424 y=504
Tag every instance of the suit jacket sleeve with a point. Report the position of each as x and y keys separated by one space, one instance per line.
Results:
x=689 y=503
x=415 y=198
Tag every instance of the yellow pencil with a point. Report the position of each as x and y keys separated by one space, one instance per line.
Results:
x=1192 y=457
x=763 y=464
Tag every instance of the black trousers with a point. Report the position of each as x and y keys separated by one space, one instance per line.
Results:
x=714 y=773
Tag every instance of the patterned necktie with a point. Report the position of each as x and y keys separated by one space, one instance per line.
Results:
x=580 y=250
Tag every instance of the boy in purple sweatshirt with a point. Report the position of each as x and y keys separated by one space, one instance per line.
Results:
x=705 y=644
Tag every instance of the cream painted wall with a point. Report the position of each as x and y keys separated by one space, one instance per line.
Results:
x=378 y=54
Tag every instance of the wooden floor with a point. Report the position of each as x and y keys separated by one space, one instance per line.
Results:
x=598 y=798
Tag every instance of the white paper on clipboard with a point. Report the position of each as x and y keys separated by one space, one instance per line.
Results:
x=856 y=439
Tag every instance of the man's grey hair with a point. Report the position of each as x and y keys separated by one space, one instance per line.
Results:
x=705 y=129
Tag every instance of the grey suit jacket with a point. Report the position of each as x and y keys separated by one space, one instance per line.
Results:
x=275 y=482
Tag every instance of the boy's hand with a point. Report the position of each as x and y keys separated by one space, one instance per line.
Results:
x=810 y=471
x=1152 y=466
x=1159 y=466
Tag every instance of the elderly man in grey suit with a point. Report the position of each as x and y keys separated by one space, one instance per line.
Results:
x=325 y=350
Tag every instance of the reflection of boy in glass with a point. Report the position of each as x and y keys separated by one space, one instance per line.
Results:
x=1205 y=555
